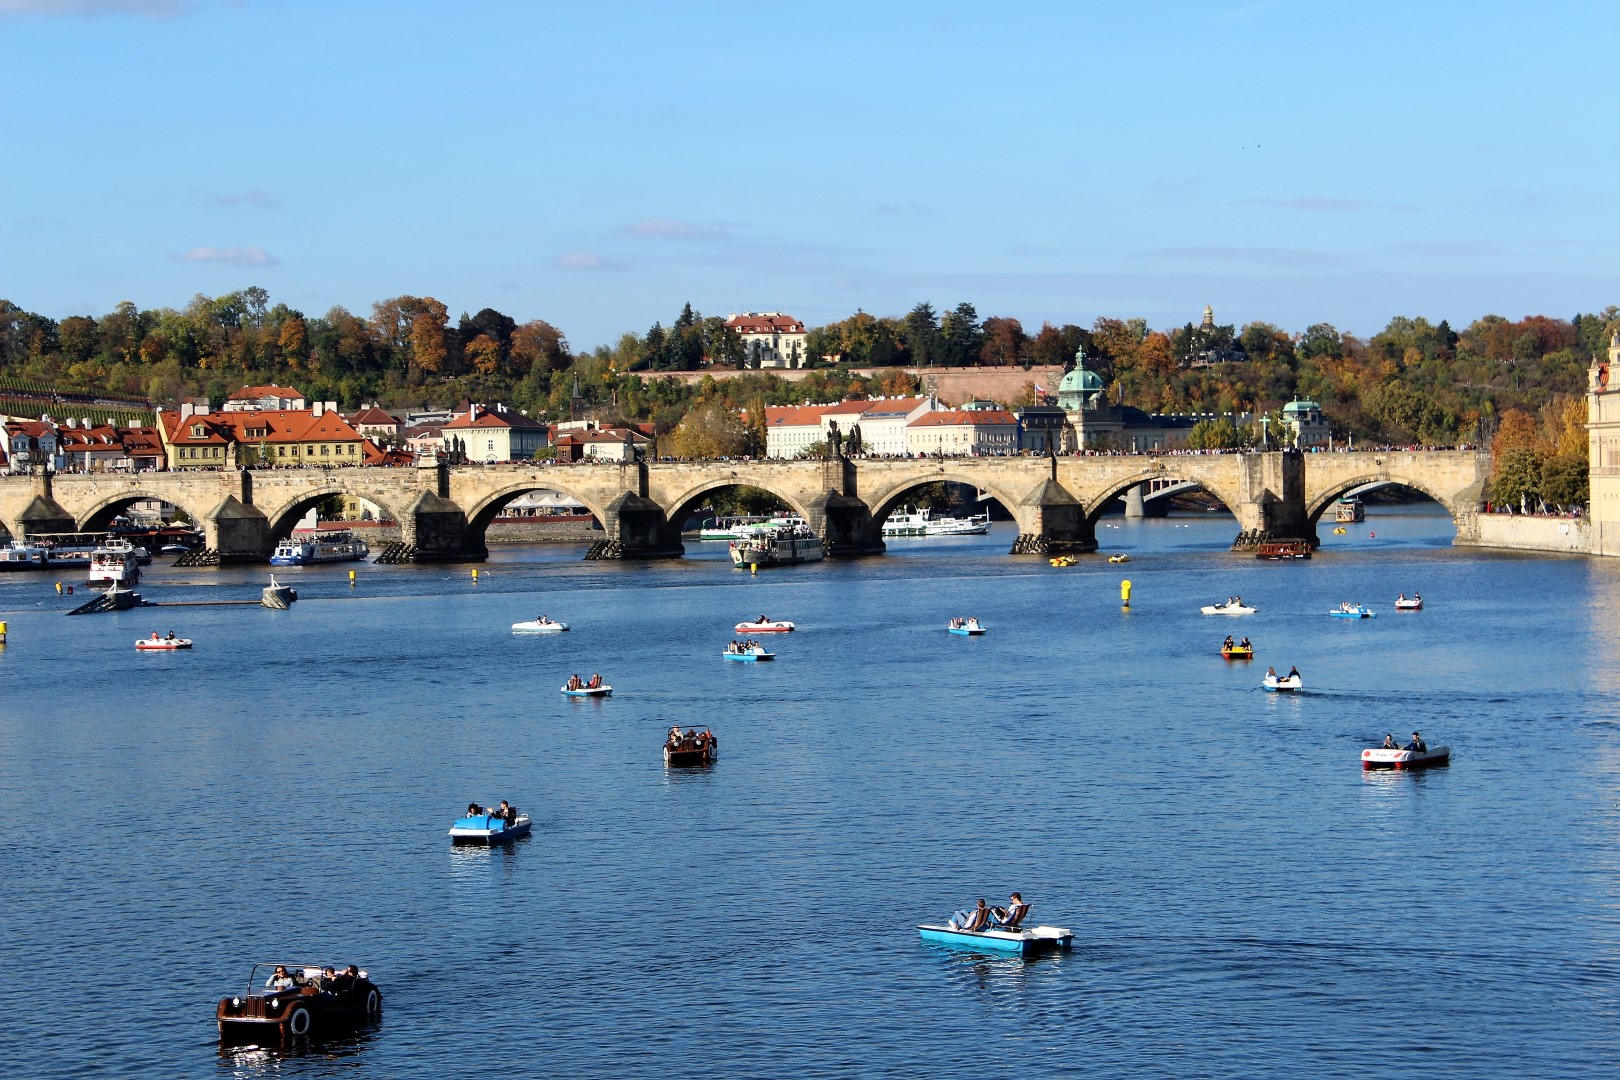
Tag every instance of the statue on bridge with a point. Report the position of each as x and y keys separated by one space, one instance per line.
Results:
x=855 y=439
x=835 y=441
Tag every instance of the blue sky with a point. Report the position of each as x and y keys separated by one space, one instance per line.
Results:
x=599 y=165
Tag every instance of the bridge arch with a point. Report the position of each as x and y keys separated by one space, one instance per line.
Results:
x=98 y=517
x=1117 y=488
x=1318 y=503
x=490 y=504
x=281 y=519
x=884 y=502
x=682 y=505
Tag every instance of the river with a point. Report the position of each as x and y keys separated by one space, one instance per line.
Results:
x=1246 y=901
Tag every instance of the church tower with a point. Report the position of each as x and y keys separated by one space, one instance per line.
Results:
x=1603 y=449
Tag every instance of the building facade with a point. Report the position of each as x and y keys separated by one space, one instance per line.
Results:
x=770 y=339
x=1603 y=450
x=963 y=433
x=491 y=433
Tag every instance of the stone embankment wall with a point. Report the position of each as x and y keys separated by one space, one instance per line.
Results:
x=1514 y=532
x=542 y=532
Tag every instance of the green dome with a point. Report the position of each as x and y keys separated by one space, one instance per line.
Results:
x=1079 y=380
x=1301 y=407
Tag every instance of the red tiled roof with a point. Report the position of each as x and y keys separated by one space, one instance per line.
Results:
x=751 y=323
x=963 y=418
x=265 y=425
x=374 y=417
x=492 y=418
x=795 y=415
x=248 y=393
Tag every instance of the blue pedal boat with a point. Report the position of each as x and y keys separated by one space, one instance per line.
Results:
x=965 y=627
x=1347 y=611
x=1024 y=942
x=750 y=655
x=488 y=829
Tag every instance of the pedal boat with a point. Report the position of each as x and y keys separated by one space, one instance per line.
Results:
x=262 y=1016
x=769 y=626
x=589 y=691
x=1238 y=652
x=1283 y=684
x=1062 y=560
x=1378 y=758
x=969 y=628
x=1356 y=612
x=162 y=644
x=1409 y=604
x=757 y=653
x=1121 y=558
x=488 y=829
x=1228 y=609
x=535 y=626
x=1024 y=942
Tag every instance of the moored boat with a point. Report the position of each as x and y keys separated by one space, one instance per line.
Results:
x=1024 y=942
x=733 y=527
x=23 y=555
x=305 y=547
x=1062 y=560
x=115 y=562
x=922 y=522
x=542 y=625
x=1350 y=509
x=1384 y=758
x=762 y=625
x=490 y=826
x=1283 y=549
x=1233 y=606
x=162 y=644
x=968 y=627
x=298 y=1000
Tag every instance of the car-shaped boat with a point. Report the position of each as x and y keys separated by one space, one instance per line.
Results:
x=694 y=748
x=1378 y=758
x=1024 y=942
x=306 y=1005
x=765 y=626
x=157 y=644
x=489 y=829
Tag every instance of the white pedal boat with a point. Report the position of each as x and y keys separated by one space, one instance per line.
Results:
x=1024 y=942
x=1282 y=683
x=769 y=626
x=488 y=829
x=1378 y=758
x=965 y=627
x=589 y=691
x=162 y=644
x=539 y=626
x=1414 y=603
x=1228 y=608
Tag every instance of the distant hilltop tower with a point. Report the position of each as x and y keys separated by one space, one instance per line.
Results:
x=1208 y=324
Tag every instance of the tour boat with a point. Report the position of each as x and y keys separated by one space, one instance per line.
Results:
x=541 y=625
x=306 y=1005
x=1234 y=606
x=1283 y=549
x=734 y=527
x=1412 y=603
x=779 y=543
x=590 y=691
x=488 y=829
x=1352 y=611
x=1379 y=758
x=24 y=555
x=307 y=546
x=1024 y=942
x=1283 y=683
x=765 y=626
x=115 y=563
x=966 y=627
x=924 y=523
x=749 y=655
x=1062 y=560
x=1349 y=509
x=1238 y=652
x=157 y=644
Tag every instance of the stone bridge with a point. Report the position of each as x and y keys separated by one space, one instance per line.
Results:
x=443 y=511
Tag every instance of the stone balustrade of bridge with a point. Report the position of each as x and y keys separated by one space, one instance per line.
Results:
x=443 y=511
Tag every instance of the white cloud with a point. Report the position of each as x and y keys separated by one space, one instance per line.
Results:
x=247 y=198
x=673 y=229
x=231 y=256
x=579 y=260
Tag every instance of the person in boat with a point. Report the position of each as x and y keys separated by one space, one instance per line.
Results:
x=155 y=636
x=1227 y=644
x=1417 y=597
x=1271 y=673
x=1417 y=745
x=674 y=739
x=596 y=682
x=977 y=919
x=1400 y=598
x=762 y=620
x=1010 y=916
x=347 y=978
x=507 y=813
x=170 y=636
x=474 y=810
x=279 y=979
x=574 y=682
x=327 y=980
x=1293 y=673
x=1244 y=644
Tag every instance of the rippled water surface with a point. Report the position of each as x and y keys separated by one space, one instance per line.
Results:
x=1246 y=900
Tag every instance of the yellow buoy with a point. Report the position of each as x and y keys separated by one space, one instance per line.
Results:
x=351 y=579
x=753 y=568
x=475 y=575
x=1125 y=592
x=58 y=588
x=2 y=633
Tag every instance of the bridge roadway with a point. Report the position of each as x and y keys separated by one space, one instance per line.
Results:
x=443 y=511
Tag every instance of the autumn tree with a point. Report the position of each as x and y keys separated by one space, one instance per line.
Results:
x=1005 y=343
x=709 y=430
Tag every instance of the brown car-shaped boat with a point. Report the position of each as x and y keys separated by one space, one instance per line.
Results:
x=283 y=1001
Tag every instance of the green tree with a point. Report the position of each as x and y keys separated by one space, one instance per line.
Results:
x=921 y=335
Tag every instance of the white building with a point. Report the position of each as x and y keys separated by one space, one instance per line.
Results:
x=883 y=423
x=963 y=433
x=790 y=430
x=770 y=339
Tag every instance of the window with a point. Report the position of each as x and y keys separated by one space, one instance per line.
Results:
x=325 y=450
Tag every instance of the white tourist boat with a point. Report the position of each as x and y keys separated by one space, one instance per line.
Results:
x=780 y=542
x=924 y=523
x=542 y=625
x=23 y=555
x=732 y=527
x=305 y=547
x=115 y=563
x=1233 y=606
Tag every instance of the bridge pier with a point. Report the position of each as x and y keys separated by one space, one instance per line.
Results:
x=1053 y=522
x=637 y=528
x=239 y=532
x=1138 y=505
x=845 y=525
x=1273 y=503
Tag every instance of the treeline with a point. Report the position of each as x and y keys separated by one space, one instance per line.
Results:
x=1413 y=382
